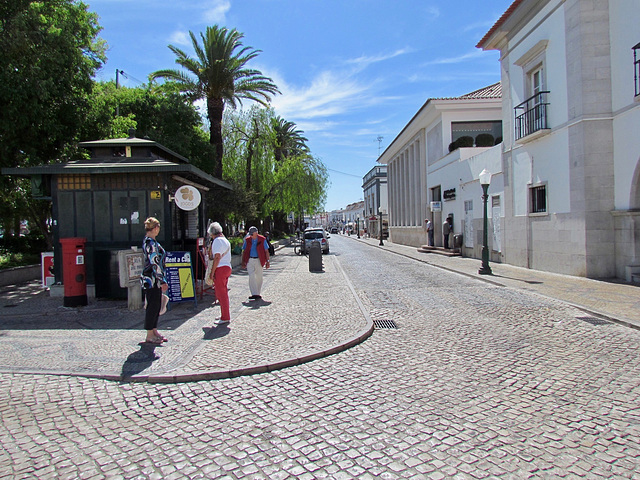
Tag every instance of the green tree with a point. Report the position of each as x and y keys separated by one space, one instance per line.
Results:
x=219 y=74
x=296 y=183
x=50 y=50
x=159 y=114
x=288 y=140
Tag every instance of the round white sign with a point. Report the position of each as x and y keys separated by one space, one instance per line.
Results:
x=187 y=197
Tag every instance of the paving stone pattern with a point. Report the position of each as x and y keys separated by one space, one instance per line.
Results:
x=477 y=381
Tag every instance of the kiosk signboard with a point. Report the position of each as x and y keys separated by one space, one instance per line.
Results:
x=179 y=274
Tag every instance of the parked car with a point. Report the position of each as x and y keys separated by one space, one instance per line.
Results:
x=319 y=234
x=334 y=229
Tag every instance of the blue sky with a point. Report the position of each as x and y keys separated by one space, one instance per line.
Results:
x=350 y=71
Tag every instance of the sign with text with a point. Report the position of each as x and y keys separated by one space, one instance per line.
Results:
x=179 y=275
x=48 y=278
x=130 y=266
x=187 y=197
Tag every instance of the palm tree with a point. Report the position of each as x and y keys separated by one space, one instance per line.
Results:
x=219 y=75
x=288 y=140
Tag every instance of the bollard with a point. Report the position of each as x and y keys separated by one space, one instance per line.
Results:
x=315 y=257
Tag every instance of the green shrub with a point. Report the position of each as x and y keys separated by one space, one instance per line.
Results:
x=485 y=140
x=11 y=260
x=236 y=245
x=465 y=141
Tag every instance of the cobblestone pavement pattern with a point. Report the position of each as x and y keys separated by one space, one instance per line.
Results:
x=477 y=381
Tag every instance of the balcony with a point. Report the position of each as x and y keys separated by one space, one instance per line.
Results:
x=636 y=68
x=531 y=117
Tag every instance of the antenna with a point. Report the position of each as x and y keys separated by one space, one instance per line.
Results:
x=379 y=139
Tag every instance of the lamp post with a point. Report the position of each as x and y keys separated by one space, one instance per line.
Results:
x=358 y=225
x=485 y=180
x=380 y=217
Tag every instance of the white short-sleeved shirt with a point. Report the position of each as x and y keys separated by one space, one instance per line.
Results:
x=220 y=245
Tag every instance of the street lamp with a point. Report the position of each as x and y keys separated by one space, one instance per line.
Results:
x=358 y=225
x=380 y=216
x=485 y=180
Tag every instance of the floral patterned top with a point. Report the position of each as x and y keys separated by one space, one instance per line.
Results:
x=154 y=254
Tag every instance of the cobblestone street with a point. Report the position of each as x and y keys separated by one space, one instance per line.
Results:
x=476 y=381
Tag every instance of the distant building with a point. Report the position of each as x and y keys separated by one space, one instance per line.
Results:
x=427 y=166
x=374 y=186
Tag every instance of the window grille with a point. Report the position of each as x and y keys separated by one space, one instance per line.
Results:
x=74 y=182
x=538 y=199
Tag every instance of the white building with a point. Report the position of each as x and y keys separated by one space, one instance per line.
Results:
x=429 y=161
x=354 y=215
x=374 y=186
x=571 y=151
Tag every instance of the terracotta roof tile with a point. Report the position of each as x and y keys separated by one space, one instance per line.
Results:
x=499 y=23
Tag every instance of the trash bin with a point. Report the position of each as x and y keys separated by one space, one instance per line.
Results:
x=74 y=275
x=457 y=240
x=315 y=257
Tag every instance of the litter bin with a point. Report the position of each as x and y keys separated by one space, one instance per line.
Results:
x=457 y=241
x=315 y=257
x=74 y=275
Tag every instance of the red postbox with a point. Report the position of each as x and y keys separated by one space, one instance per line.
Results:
x=74 y=272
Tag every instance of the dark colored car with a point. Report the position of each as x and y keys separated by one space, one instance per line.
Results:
x=316 y=234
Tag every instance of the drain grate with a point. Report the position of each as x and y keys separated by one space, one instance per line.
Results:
x=594 y=320
x=384 y=324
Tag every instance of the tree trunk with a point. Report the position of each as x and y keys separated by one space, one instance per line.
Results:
x=215 y=109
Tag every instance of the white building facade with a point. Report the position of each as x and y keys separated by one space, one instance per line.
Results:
x=374 y=187
x=428 y=164
x=571 y=150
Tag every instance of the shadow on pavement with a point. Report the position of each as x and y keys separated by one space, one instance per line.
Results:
x=255 y=304
x=211 y=333
x=140 y=360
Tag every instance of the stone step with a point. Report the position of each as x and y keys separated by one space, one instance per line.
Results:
x=440 y=251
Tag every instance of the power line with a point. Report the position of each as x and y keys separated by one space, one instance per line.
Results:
x=343 y=173
x=127 y=76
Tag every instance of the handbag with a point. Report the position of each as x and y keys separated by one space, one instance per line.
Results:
x=207 y=276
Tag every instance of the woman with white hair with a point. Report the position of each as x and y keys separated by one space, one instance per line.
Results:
x=221 y=270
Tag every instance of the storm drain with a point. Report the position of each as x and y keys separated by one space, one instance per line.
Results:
x=594 y=320
x=384 y=324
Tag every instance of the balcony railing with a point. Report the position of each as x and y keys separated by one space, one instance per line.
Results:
x=531 y=115
x=636 y=67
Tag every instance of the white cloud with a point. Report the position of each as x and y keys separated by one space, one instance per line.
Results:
x=216 y=10
x=458 y=59
x=180 y=38
x=433 y=12
x=328 y=94
x=364 y=61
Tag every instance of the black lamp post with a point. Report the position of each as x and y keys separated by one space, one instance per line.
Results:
x=358 y=225
x=380 y=217
x=485 y=180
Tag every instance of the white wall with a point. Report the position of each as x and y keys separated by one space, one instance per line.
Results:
x=624 y=21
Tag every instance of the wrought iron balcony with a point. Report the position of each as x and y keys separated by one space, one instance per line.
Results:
x=636 y=67
x=531 y=115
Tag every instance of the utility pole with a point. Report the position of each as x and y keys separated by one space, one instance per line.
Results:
x=118 y=72
x=379 y=139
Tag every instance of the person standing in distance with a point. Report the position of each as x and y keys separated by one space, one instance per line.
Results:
x=153 y=280
x=255 y=256
x=446 y=230
x=430 y=231
x=221 y=270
